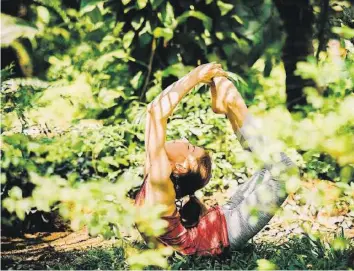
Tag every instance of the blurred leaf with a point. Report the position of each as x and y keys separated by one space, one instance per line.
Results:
x=136 y=80
x=166 y=33
x=177 y=70
x=142 y=3
x=166 y=15
x=236 y=78
x=127 y=39
x=95 y=15
x=238 y=19
x=207 y=22
x=15 y=193
x=156 y=3
x=152 y=93
x=264 y=264
x=344 y=31
x=340 y=243
x=105 y=59
x=137 y=22
x=24 y=58
x=89 y=5
x=224 y=7
x=13 y=28
x=43 y=14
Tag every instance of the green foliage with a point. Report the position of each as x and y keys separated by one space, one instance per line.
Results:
x=14 y=28
x=73 y=130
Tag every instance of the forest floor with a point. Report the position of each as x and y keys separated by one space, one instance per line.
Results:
x=283 y=241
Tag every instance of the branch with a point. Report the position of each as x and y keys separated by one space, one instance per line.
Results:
x=153 y=48
x=324 y=15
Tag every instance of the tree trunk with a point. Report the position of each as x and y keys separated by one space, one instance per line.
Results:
x=297 y=16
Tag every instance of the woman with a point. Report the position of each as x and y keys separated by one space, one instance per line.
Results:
x=176 y=169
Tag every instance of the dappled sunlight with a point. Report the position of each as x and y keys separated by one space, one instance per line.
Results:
x=92 y=90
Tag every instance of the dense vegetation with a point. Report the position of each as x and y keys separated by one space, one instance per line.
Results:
x=77 y=76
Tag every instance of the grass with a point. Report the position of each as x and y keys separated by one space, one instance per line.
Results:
x=99 y=258
x=300 y=252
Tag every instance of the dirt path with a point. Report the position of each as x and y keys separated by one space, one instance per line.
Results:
x=32 y=249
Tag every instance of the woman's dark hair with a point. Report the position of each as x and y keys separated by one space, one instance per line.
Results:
x=187 y=184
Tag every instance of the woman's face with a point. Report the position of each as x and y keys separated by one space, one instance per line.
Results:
x=181 y=151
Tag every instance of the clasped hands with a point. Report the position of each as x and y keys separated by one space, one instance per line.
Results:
x=225 y=98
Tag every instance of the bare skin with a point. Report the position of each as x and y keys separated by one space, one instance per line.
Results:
x=226 y=100
x=163 y=158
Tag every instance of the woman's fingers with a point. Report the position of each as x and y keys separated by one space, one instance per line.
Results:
x=207 y=72
x=218 y=72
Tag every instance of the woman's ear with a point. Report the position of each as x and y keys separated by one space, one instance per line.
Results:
x=181 y=168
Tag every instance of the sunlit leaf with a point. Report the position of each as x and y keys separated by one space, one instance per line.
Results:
x=224 y=7
x=142 y=3
x=15 y=193
x=207 y=22
x=166 y=33
x=344 y=31
x=43 y=14
x=127 y=39
x=13 y=28
x=264 y=264
x=136 y=80
x=166 y=15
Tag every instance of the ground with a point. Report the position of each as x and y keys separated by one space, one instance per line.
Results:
x=283 y=241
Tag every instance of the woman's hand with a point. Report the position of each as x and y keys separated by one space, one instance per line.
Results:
x=223 y=95
x=206 y=72
x=225 y=99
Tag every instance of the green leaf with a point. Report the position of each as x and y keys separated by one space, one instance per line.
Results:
x=177 y=70
x=137 y=22
x=3 y=178
x=110 y=57
x=110 y=160
x=127 y=39
x=166 y=33
x=264 y=264
x=95 y=15
x=156 y=3
x=107 y=97
x=43 y=14
x=224 y=7
x=136 y=81
x=9 y=204
x=236 y=78
x=340 y=243
x=13 y=28
x=15 y=193
x=145 y=39
x=237 y=19
x=207 y=21
x=142 y=3
x=344 y=31
x=89 y=5
x=167 y=16
x=152 y=93
x=122 y=161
